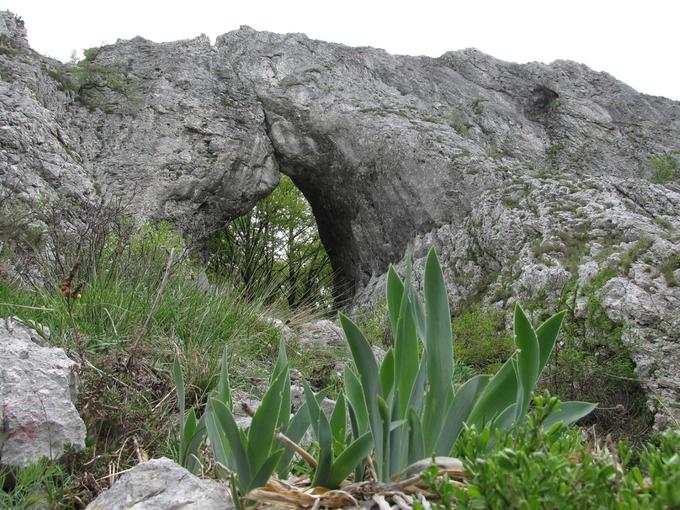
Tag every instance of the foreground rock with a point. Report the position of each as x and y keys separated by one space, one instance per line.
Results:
x=38 y=387
x=160 y=484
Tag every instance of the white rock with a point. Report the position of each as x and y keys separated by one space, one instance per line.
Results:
x=38 y=388
x=160 y=484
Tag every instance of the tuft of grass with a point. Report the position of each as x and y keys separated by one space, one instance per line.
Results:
x=477 y=106
x=668 y=268
x=376 y=324
x=663 y=222
x=493 y=152
x=39 y=485
x=117 y=295
x=634 y=253
x=461 y=128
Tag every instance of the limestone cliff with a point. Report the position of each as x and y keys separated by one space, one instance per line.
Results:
x=532 y=180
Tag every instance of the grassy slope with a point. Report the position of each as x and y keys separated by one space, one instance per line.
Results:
x=132 y=412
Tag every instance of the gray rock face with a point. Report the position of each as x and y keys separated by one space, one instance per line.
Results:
x=160 y=484
x=526 y=177
x=167 y=129
x=387 y=147
x=38 y=387
x=12 y=30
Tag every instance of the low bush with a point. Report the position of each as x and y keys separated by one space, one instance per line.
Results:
x=531 y=466
x=481 y=339
x=666 y=168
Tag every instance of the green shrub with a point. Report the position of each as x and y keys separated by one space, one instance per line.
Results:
x=666 y=168
x=534 y=466
x=480 y=338
x=91 y=53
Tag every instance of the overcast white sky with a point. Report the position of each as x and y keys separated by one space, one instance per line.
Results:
x=636 y=41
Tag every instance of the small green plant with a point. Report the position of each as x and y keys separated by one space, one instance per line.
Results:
x=375 y=323
x=191 y=431
x=38 y=485
x=663 y=222
x=255 y=455
x=409 y=403
x=441 y=487
x=634 y=253
x=666 y=168
x=478 y=106
x=461 y=128
x=668 y=268
x=335 y=460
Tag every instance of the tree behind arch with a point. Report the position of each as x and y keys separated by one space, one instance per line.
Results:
x=275 y=251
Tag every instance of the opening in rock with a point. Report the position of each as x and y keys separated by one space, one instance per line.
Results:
x=274 y=252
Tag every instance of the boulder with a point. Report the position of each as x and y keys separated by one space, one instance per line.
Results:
x=160 y=484
x=321 y=333
x=38 y=388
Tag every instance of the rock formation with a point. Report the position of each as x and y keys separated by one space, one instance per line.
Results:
x=160 y=484
x=531 y=179
x=38 y=389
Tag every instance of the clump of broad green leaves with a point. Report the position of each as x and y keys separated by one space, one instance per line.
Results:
x=409 y=402
x=399 y=412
